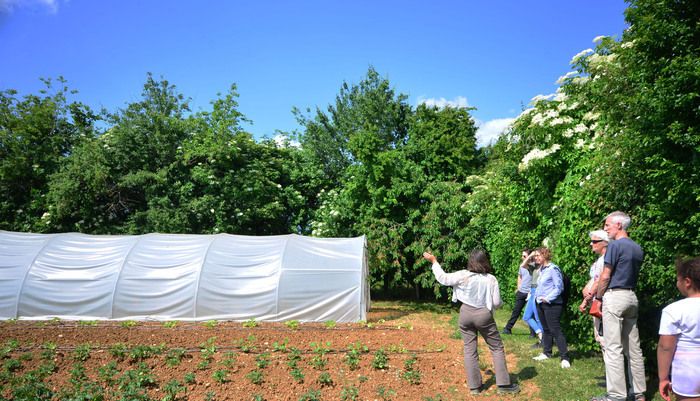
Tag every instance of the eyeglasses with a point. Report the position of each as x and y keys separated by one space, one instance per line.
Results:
x=595 y=241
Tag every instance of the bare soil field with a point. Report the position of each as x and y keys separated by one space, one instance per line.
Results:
x=399 y=354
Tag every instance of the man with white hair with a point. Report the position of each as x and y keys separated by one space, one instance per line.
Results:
x=599 y=244
x=623 y=261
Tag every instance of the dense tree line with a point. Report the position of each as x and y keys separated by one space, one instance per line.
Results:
x=620 y=133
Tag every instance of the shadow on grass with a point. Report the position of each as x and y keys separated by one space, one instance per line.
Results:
x=526 y=373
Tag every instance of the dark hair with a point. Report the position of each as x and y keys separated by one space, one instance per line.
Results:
x=479 y=262
x=545 y=253
x=526 y=250
x=689 y=268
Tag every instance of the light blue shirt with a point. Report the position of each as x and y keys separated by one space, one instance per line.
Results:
x=549 y=285
x=525 y=279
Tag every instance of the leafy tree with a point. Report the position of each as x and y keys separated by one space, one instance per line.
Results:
x=36 y=133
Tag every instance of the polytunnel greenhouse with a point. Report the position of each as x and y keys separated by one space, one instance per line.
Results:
x=182 y=277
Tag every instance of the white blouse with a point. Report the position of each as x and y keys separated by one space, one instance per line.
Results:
x=474 y=289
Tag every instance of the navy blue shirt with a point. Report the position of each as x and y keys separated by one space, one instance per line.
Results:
x=625 y=257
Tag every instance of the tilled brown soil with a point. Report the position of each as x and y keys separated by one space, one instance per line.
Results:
x=437 y=371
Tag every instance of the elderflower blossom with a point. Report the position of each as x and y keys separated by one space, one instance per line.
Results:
x=580 y=55
x=561 y=96
x=536 y=154
x=590 y=116
x=540 y=98
x=566 y=76
x=627 y=45
x=579 y=80
x=568 y=133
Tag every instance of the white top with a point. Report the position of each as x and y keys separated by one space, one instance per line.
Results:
x=473 y=289
x=682 y=318
x=597 y=268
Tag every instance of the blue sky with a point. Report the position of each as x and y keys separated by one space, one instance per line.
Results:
x=493 y=55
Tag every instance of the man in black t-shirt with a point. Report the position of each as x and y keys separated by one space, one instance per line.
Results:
x=623 y=260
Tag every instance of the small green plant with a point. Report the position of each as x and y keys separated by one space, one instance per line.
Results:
x=281 y=346
x=406 y=326
x=108 y=373
x=229 y=360
x=27 y=356
x=118 y=351
x=258 y=397
x=172 y=389
x=362 y=378
x=325 y=379
x=329 y=324
x=87 y=323
x=349 y=393
x=262 y=360
x=311 y=395
x=171 y=324
x=220 y=376
x=352 y=356
x=189 y=378
x=318 y=362
x=210 y=323
x=9 y=347
x=381 y=360
x=48 y=351
x=210 y=396
x=250 y=323
x=77 y=373
x=397 y=348
x=385 y=394
x=255 y=377
x=292 y=324
x=82 y=352
x=411 y=373
x=293 y=357
x=175 y=356
x=203 y=364
x=12 y=365
x=143 y=352
x=247 y=345
x=208 y=348
x=128 y=323
x=297 y=374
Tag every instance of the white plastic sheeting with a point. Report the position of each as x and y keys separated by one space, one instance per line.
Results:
x=182 y=277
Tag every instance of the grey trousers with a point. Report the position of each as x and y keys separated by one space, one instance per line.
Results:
x=622 y=339
x=480 y=320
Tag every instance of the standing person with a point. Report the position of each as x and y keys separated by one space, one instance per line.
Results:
x=599 y=245
x=522 y=291
x=678 y=353
x=478 y=292
x=530 y=315
x=550 y=306
x=623 y=260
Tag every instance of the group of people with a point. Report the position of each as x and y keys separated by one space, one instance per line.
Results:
x=613 y=279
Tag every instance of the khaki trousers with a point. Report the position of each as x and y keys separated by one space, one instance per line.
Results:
x=620 y=309
x=480 y=320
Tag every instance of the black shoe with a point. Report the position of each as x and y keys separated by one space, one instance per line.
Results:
x=511 y=389
x=536 y=345
x=506 y=331
x=475 y=391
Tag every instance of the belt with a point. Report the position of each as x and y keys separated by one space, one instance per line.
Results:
x=620 y=289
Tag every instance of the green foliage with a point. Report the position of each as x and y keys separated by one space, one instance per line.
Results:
x=292 y=324
x=255 y=377
x=325 y=379
x=250 y=323
x=349 y=393
x=385 y=394
x=311 y=395
x=82 y=352
x=220 y=376
x=380 y=360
